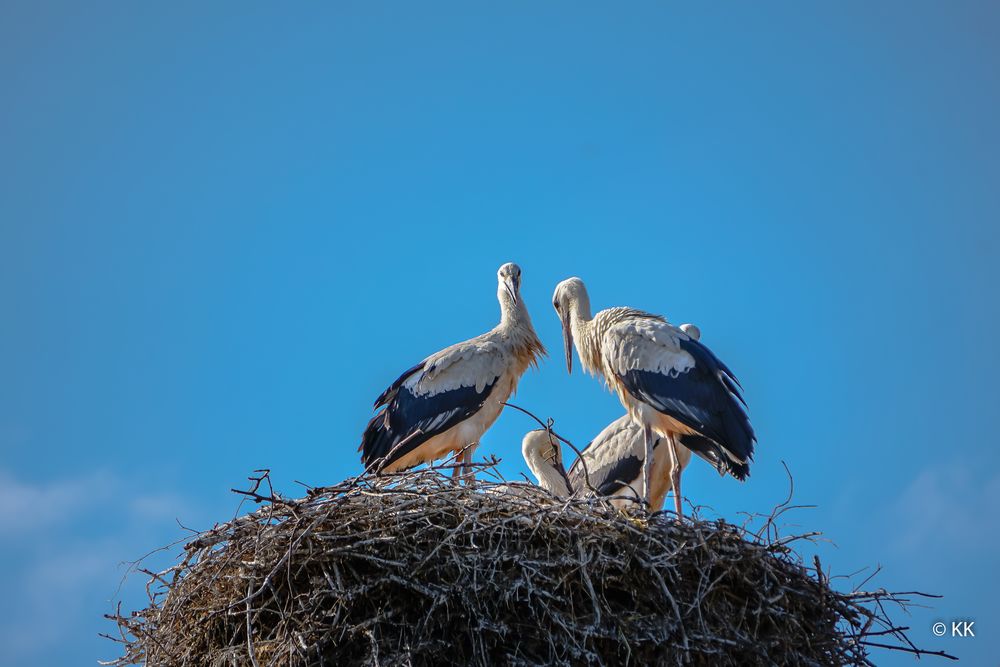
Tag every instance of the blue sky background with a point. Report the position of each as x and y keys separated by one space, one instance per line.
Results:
x=224 y=230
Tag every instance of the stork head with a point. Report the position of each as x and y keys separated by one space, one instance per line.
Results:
x=570 y=300
x=543 y=455
x=692 y=331
x=509 y=282
x=540 y=446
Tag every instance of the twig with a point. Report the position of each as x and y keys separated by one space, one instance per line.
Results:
x=548 y=427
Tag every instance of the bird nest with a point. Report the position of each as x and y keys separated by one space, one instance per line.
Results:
x=412 y=568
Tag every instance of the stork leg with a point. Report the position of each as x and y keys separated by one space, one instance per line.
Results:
x=675 y=476
x=647 y=464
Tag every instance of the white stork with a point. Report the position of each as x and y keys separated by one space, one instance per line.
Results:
x=448 y=401
x=614 y=460
x=543 y=455
x=669 y=383
x=614 y=465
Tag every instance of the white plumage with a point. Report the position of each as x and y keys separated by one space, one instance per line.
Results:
x=613 y=461
x=543 y=455
x=448 y=401
x=669 y=383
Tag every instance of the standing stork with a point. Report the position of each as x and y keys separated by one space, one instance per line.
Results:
x=670 y=384
x=448 y=401
x=613 y=461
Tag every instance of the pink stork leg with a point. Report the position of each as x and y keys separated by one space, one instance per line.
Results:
x=675 y=476
x=647 y=464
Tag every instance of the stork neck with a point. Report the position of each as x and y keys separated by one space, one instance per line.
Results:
x=579 y=316
x=551 y=478
x=580 y=323
x=587 y=344
x=512 y=315
x=516 y=328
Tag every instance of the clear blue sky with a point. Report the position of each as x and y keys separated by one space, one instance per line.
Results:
x=224 y=230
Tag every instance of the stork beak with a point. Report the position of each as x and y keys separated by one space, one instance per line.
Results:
x=568 y=341
x=511 y=287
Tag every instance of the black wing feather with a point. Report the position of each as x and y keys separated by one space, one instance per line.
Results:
x=406 y=413
x=710 y=450
x=610 y=479
x=386 y=395
x=706 y=398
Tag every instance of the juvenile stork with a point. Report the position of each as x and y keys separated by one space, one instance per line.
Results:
x=670 y=384
x=448 y=401
x=543 y=455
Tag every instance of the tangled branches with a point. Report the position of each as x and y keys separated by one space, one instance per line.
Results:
x=412 y=568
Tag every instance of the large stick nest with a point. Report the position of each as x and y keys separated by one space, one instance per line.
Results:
x=412 y=568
